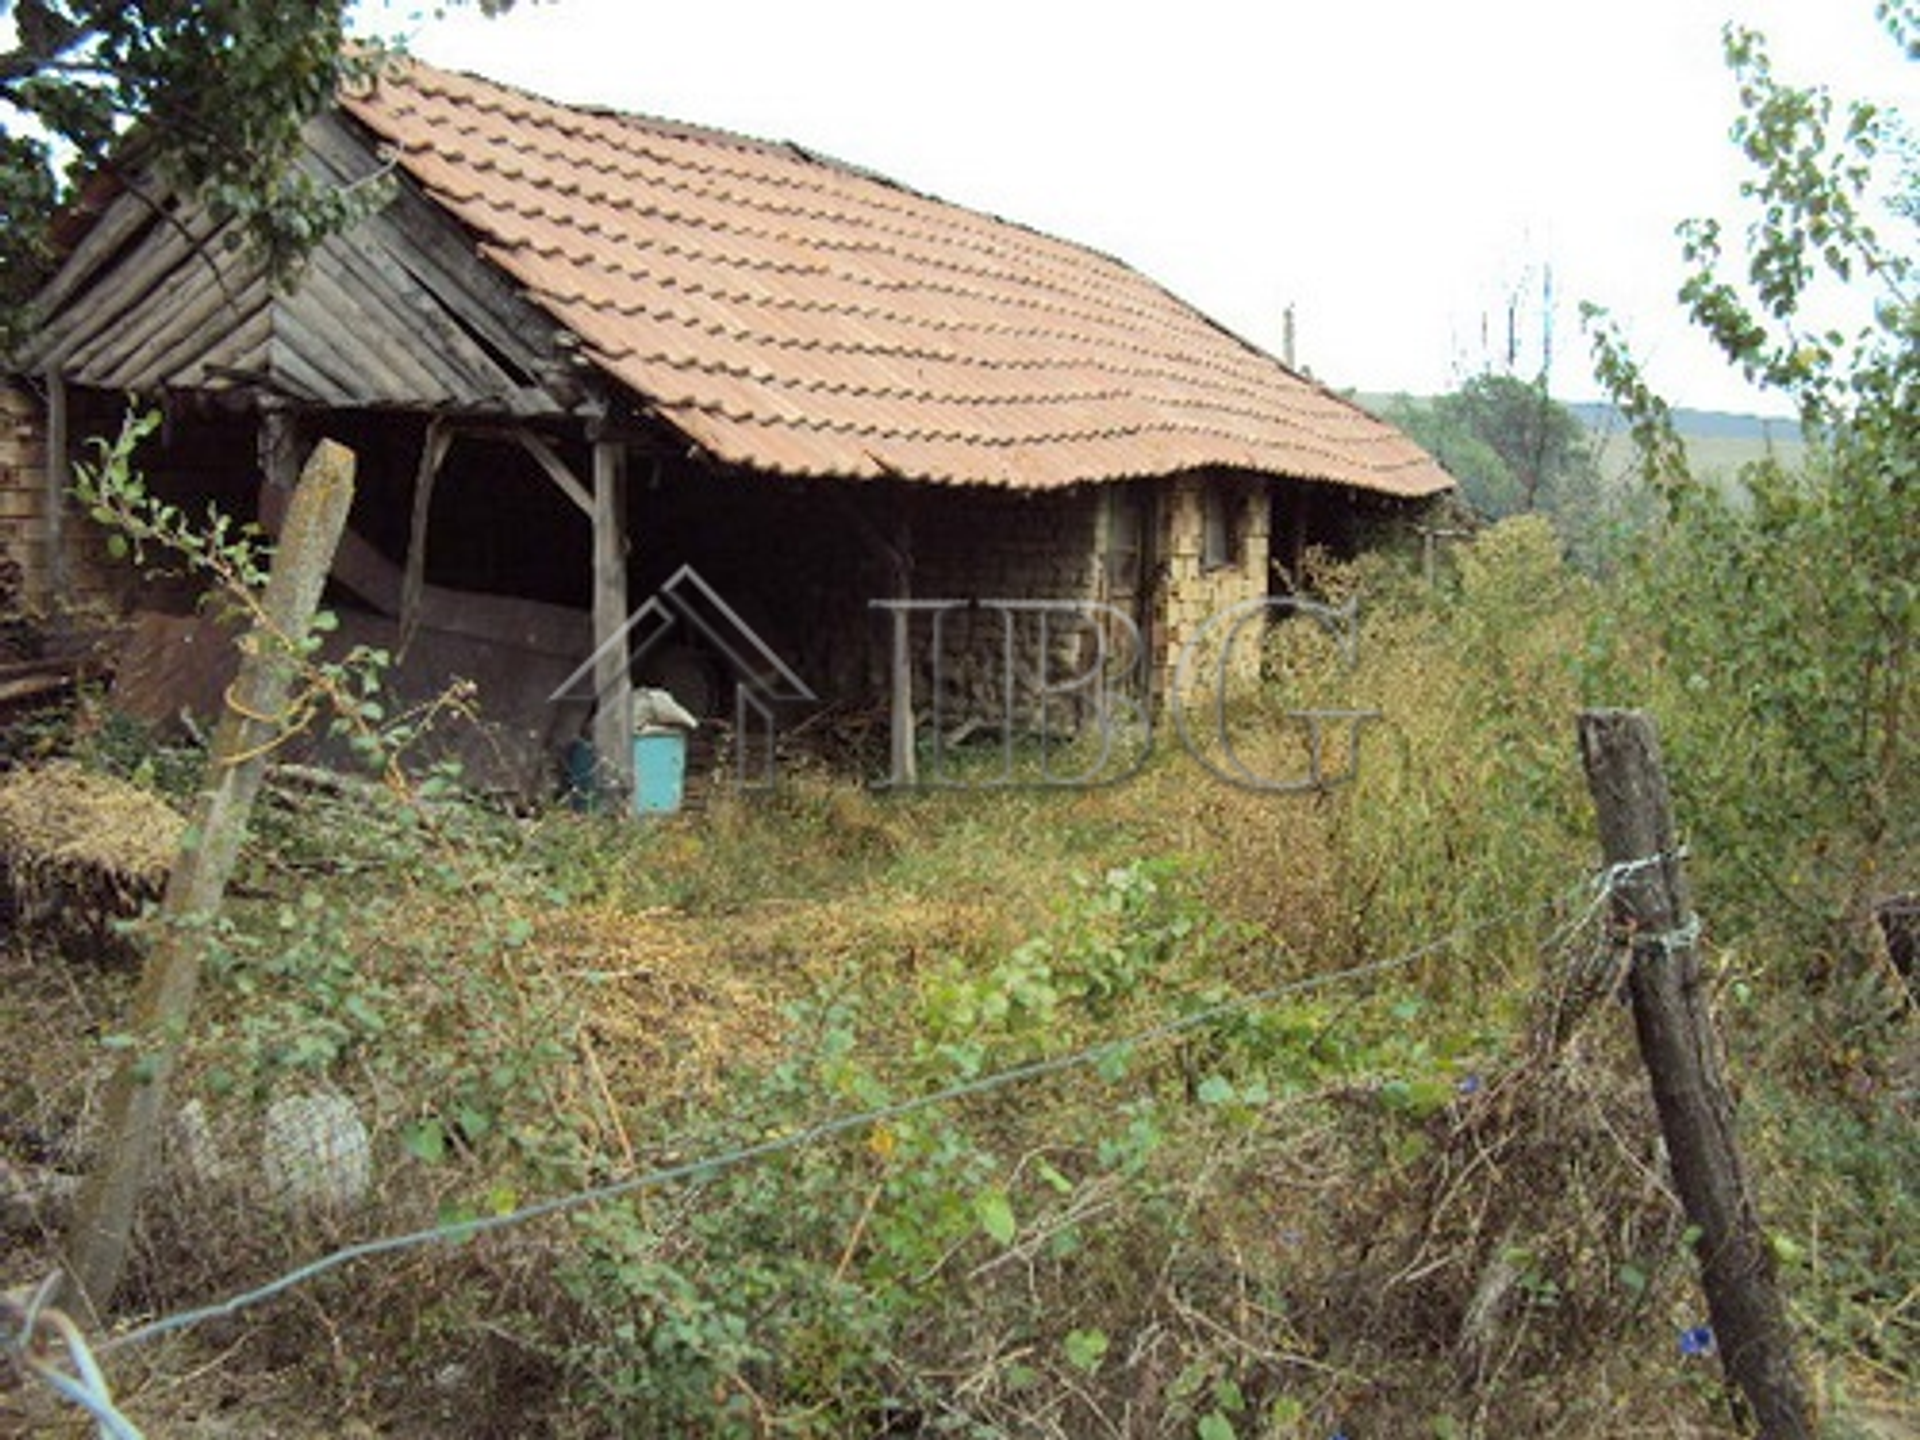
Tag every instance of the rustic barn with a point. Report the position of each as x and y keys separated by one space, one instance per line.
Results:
x=577 y=353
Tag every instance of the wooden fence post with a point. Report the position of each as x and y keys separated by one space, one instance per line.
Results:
x=1650 y=905
x=135 y=1105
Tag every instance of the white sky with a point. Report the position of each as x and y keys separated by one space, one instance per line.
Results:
x=1392 y=168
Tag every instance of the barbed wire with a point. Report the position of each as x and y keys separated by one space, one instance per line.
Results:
x=1595 y=890
x=22 y=1321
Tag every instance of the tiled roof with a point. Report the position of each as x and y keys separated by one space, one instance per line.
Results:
x=795 y=315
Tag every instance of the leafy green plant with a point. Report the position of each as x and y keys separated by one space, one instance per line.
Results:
x=1784 y=615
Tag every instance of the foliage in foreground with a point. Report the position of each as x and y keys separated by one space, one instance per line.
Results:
x=212 y=97
x=1425 y=1200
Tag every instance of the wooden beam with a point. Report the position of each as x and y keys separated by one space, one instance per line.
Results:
x=549 y=460
x=59 y=480
x=433 y=455
x=612 y=672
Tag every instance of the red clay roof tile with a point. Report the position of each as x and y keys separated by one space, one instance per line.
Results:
x=795 y=315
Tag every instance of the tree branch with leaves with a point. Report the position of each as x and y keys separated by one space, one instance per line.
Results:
x=1789 y=601
x=212 y=93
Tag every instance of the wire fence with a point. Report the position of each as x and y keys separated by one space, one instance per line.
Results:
x=31 y=1330
x=33 y=1335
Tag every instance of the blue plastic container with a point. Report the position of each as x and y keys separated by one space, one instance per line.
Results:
x=659 y=773
x=659 y=770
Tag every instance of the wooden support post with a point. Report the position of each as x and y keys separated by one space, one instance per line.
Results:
x=279 y=455
x=1677 y=1043
x=135 y=1105
x=904 y=764
x=1295 y=547
x=612 y=672
x=894 y=546
x=59 y=481
x=433 y=456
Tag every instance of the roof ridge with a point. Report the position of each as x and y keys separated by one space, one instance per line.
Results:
x=677 y=129
x=785 y=151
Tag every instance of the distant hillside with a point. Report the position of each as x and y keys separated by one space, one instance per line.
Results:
x=1717 y=442
x=1599 y=415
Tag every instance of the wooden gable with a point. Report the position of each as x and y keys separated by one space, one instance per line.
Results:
x=398 y=313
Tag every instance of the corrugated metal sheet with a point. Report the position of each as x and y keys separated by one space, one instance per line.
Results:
x=793 y=315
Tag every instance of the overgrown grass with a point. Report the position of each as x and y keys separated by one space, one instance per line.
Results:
x=1420 y=1200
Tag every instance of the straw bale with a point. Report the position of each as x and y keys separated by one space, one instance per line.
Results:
x=79 y=851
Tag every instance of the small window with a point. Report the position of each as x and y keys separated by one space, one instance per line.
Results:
x=1126 y=541
x=1219 y=545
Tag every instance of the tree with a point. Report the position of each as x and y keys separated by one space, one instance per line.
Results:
x=1441 y=427
x=212 y=92
x=1789 y=607
x=1512 y=446
x=1543 y=445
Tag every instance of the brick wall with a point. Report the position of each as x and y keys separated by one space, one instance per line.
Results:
x=986 y=546
x=61 y=557
x=1198 y=585
x=23 y=524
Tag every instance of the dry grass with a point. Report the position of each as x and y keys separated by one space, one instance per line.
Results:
x=79 y=851
x=1506 y=1261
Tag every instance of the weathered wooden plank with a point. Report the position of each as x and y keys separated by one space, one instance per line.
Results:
x=177 y=324
x=442 y=258
x=137 y=206
x=243 y=355
x=93 y=322
x=388 y=366
x=461 y=370
x=294 y=341
x=507 y=620
x=188 y=323
x=283 y=372
x=369 y=254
